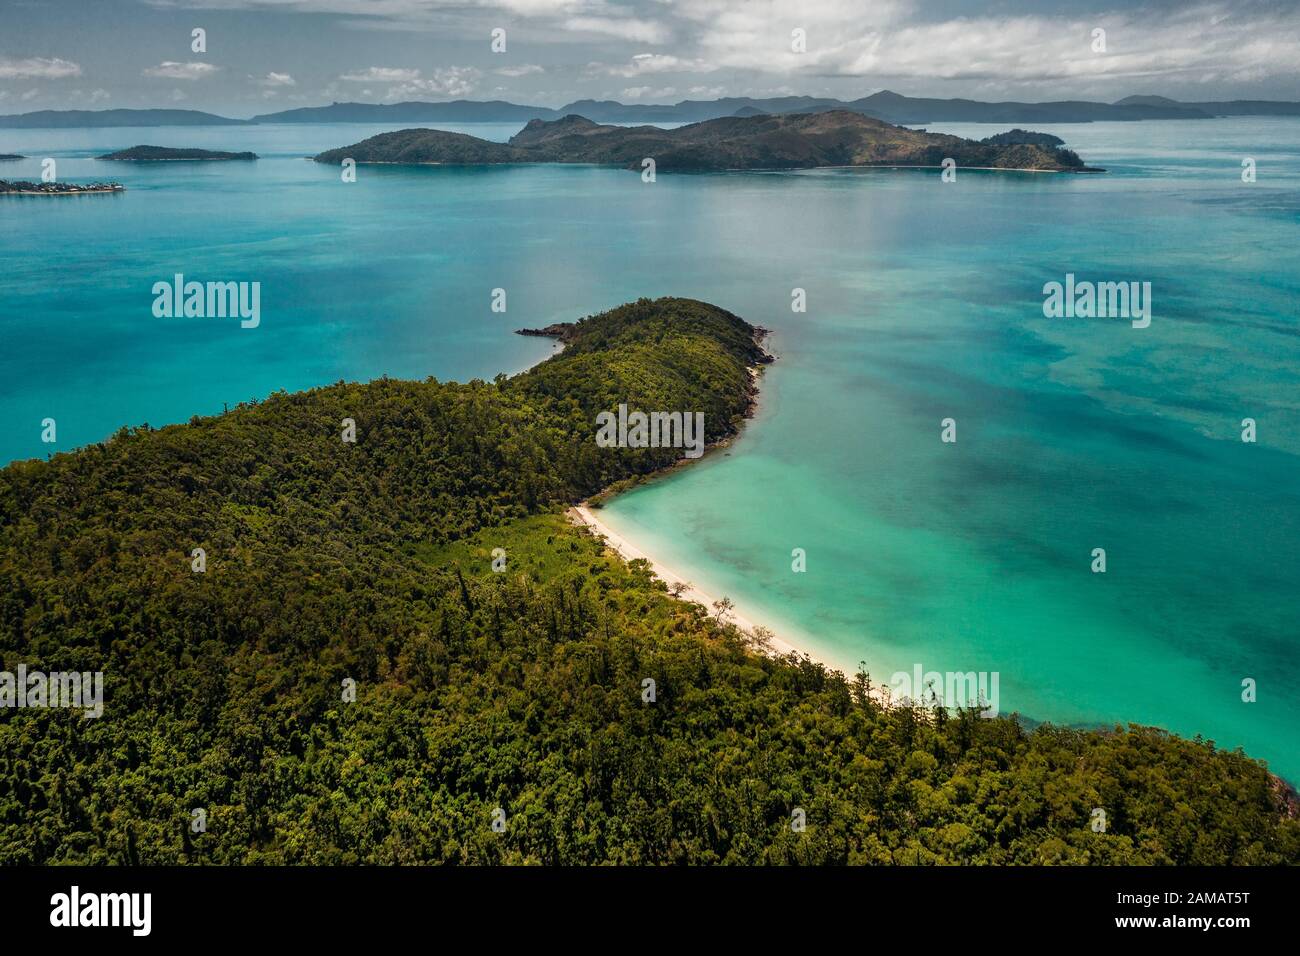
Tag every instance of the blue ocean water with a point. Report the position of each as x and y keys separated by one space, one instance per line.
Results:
x=924 y=303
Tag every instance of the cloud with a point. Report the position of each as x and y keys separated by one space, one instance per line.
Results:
x=623 y=28
x=171 y=70
x=887 y=40
x=94 y=96
x=524 y=70
x=643 y=63
x=447 y=81
x=277 y=79
x=1175 y=44
x=1020 y=47
x=647 y=93
x=37 y=68
x=178 y=95
x=382 y=74
x=30 y=95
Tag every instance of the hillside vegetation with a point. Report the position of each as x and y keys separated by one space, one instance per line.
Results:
x=521 y=690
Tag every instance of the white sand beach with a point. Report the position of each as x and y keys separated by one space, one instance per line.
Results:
x=746 y=621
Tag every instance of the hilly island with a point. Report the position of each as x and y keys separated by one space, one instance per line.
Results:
x=786 y=141
x=146 y=154
x=479 y=686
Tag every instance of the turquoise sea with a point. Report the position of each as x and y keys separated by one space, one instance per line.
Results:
x=924 y=303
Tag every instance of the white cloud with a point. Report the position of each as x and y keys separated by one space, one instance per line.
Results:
x=37 y=68
x=277 y=79
x=647 y=93
x=1174 y=44
x=623 y=28
x=178 y=95
x=171 y=70
x=30 y=95
x=883 y=41
x=382 y=74
x=524 y=70
x=94 y=96
x=643 y=63
x=1153 y=45
x=447 y=81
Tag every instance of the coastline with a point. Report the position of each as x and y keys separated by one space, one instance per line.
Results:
x=76 y=192
x=781 y=642
x=729 y=169
x=583 y=516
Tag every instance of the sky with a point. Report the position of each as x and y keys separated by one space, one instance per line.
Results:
x=266 y=55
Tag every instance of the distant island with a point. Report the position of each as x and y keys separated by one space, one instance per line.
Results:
x=788 y=141
x=4 y=156
x=886 y=105
x=23 y=188
x=153 y=154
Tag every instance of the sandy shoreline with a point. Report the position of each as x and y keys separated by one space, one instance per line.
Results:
x=777 y=645
x=746 y=621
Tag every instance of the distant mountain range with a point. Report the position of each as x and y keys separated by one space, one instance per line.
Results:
x=46 y=119
x=885 y=105
x=765 y=141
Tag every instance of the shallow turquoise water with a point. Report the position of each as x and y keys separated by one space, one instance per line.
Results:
x=924 y=302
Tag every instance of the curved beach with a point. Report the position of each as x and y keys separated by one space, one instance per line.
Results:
x=746 y=620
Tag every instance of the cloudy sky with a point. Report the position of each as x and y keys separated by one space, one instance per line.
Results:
x=264 y=55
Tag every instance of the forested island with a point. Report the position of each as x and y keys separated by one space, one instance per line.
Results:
x=788 y=141
x=25 y=188
x=142 y=154
x=368 y=564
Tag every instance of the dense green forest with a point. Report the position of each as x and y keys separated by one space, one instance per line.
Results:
x=330 y=561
